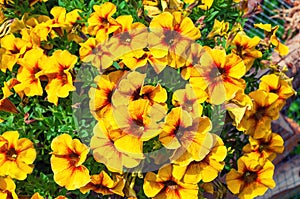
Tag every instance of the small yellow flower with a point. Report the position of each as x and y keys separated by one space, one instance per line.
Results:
x=66 y=162
x=173 y=33
x=257 y=121
x=7 y=188
x=32 y=68
x=102 y=183
x=5 y=103
x=219 y=28
x=253 y=177
x=208 y=168
x=245 y=48
x=206 y=4
x=271 y=34
x=220 y=75
x=58 y=71
x=165 y=185
x=101 y=19
x=106 y=152
x=266 y=147
x=16 y=155
x=36 y=196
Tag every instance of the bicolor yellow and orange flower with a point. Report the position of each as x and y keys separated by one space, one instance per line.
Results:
x=257 y=121
x=16 y=155
x=165 y=185
x=7 y=188
x=220 y=75
x=67 y=158
x=104 y=184
x=253 y=177
x=266 y=147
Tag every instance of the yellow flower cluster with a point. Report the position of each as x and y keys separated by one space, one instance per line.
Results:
x=131 y=112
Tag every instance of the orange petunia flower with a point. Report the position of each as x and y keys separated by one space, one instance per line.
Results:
x=102 y=183
x=36 y=196
x=5 y=103
x=245 y=48
x=16 y=155
x=173 y=33
x=58 y=71
x=101 y=97
x=32 y=68
x=106 y=152
x=66 y=162
x=101 y=19
x=220 y=74
x=266 y=147
x=165 y=185
x=253 y=177
x=7 y=188
x=257 y=121
x=208 y=168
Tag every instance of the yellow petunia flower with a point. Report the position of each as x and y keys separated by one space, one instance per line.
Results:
x=206 y=4
x=58 y=71
x=7 y=188
x=257 y=121
x=14 y=48
x=101 y=97
x=32 y=67
x=105 y=151
x=66 y=162
x=36 y=196
x=104 y=184
x=165 y=185
x=208 y=168
x=139 y=58
x=220 y=75
x=5 y=103
x=270 y=33
x=219 y=28
x=274 y=84
x=101 y=19
x=266 y=147
x=16 y=155
x=253 y=177
x=173 y=33
x=190 y=100
x=129 y=37
x=244 y=47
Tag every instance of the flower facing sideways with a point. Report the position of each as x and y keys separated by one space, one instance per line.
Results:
x=7 y=188
x=66 y=162
x=16 y=155
x=104 y=184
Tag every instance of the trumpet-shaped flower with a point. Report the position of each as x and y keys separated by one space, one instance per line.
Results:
x=101 y=19
x=266 y=147
x=101 y=97
x=253 y=177
x=208 y=168
x=189 y=99
x=16 y=155
x=58 y=71
x=220 y=28
x=173 y=33
x=128 y=37
x=32 y=68
x=102 y=183
x=165 y=185
x=7 y=188
x=206 y=4
x=106 y=152
x=274 y=84
x=257 y=121
x=5 y=103
x=66 y=162
x=244 y=47
x=220 y=74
